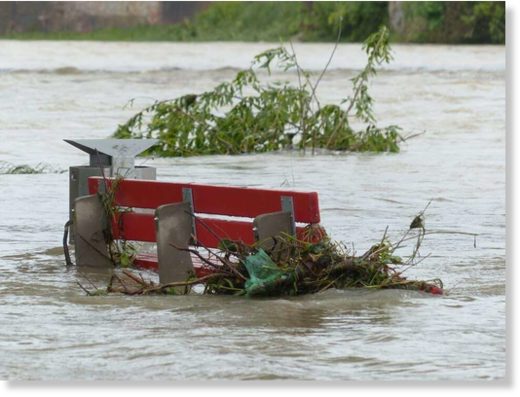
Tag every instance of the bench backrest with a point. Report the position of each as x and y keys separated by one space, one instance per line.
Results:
x=227 y=201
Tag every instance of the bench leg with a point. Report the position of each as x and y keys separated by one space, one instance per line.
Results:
x=174 y=227
x=89 y=239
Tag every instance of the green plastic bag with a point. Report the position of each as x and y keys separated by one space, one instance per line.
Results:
x=263 y=274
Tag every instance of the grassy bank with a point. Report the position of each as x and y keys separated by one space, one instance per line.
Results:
x=413 y=22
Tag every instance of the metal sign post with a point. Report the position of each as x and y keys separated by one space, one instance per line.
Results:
x=110 y=158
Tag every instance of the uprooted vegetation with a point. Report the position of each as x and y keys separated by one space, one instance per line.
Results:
x=289 y=267
x=24 y=169
x=249 y=115
x=293 y=268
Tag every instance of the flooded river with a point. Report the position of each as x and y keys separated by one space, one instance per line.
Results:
x=456 y=95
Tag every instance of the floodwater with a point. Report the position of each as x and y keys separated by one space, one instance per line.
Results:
x=455 y=95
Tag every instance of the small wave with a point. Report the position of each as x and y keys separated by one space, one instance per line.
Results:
x=62 y=70
x=227 y=69
x=67 y=70
x=391 y=69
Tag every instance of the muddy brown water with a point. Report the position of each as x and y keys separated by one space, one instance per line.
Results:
x=456 y=95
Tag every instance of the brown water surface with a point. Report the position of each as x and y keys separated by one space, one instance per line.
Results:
x=50 y=330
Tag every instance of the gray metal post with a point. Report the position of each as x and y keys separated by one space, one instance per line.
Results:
x=91 y=248
x=268 y=226
x=108 y=157
x=173 y=226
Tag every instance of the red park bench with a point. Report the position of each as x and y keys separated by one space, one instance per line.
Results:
x=176 y=215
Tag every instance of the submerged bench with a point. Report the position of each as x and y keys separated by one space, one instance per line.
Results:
x=177 y=215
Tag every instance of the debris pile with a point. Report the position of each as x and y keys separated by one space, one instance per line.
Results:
x=288 y=267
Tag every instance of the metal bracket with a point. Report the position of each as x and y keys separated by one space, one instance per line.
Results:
x=91 y=247
x=267 y=227
x=288 y=206
x=101 y=186
x=187 y=197
x=173 y=225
